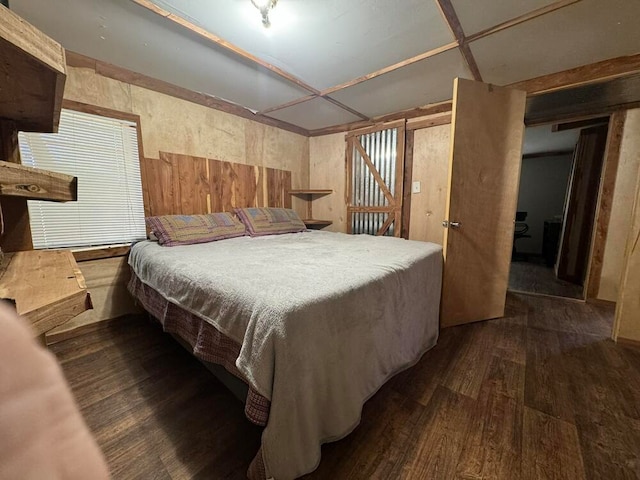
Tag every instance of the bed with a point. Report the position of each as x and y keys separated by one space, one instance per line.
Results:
x=314 y=322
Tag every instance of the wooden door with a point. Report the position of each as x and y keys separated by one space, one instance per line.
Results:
x=375 y=169
x=484 y=172
x=580 y=210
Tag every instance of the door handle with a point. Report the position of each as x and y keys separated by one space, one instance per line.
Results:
x=447 y=224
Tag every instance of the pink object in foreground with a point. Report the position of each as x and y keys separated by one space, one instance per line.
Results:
x=42 y=434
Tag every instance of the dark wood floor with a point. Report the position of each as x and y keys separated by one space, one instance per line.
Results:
x=539 y=394
x=536 y=277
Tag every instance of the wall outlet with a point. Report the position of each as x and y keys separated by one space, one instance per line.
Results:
x=415 y=187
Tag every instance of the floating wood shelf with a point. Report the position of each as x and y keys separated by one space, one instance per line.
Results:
x=312 y=223
x=34 y=73
x=308 y=195
x=36 y=184
x=46 y=285
x=310 y=192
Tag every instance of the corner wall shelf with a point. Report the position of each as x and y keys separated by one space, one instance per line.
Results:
x=307 y=195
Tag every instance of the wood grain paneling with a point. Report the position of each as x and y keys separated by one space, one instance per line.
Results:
x=106 y=280
x=621 y=209
x=485 y=159
x=605 y=202
x=431 y=169
x=181 y=184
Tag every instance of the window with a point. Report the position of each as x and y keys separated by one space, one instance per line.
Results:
x=103 y=153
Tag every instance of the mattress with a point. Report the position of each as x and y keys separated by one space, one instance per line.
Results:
x=321 y=320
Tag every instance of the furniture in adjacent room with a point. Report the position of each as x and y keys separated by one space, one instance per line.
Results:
x=551 y=241
x=46 y=287
x=308 y=195
x=520 y=231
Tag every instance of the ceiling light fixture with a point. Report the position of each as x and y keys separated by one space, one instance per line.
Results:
x=265 y=7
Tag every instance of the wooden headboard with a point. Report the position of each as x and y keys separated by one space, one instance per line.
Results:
x=184 y=185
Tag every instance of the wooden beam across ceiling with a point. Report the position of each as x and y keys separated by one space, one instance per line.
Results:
x=464 y=48
x=151 y=6
x=521 y=19
x=574 y=77
x=134 y=78
x=369 y=76
x=451 y=17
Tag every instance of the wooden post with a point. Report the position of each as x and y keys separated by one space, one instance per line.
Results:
x=16 y=234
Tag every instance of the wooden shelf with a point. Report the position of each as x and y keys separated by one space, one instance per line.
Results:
x=308 y=195
x=310 y=222
x=34 y=73
x=19 y=181
x=310 y=192
x=46 y=285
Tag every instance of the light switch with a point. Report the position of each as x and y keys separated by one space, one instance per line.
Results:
x=415 y=187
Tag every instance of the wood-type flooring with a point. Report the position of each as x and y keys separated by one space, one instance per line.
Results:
x=540 y=394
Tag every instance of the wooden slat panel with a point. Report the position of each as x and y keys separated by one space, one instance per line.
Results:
x=193 y=183
x=159 y=175
x=244 y=185
x=181 y=184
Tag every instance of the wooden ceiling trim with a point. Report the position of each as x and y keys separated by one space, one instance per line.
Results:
x=390 y=68
x=521 y=19
x=451 y=17
x=592 y=73
x=430 y=109
x=345 y=107
x=549 y=153
x=127 y=76
x=149 y=5
x=591 y=122
x=288 y=104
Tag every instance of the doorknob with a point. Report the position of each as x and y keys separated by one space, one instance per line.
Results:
x=447 y=224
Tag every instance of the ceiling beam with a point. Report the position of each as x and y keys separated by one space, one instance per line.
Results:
x=521 y=19
x=551 y=153
x=451 y=18
x=431 y=109
x=288 y=104
x=133 y=78
x=151 y=6
x=390 y=68
x=369 y=76
x=591 y=122
x=592 y=73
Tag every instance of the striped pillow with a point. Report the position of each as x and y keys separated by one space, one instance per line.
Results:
x=188 y=229
x=270 y=221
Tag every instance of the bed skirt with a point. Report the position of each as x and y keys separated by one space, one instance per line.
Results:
x=207 y=344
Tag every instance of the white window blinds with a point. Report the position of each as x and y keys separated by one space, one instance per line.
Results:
x=103 y=153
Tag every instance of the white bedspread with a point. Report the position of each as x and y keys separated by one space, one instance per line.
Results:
x=324 y=320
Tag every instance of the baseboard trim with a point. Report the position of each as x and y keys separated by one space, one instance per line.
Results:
x=89 y=328
x=628 y=342
x=605 y=303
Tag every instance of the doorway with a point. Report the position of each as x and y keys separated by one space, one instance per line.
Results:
x=559 y=184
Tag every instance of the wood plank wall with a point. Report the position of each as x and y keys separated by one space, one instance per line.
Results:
x=181 y=184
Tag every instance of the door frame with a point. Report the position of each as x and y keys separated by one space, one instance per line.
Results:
x=604 y=202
